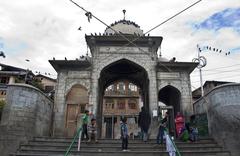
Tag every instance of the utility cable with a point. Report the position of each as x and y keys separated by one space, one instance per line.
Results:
x=173 y=16
x=104 y=23
x=219 y=72
x=131 y=41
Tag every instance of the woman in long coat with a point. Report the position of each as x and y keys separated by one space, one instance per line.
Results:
x=144 y=121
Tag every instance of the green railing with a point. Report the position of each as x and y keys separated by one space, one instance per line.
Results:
x=175 y=146
x=73 y=141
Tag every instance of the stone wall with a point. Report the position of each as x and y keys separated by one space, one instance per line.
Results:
x=28 y=113
x=222 y=106
x=66 y=80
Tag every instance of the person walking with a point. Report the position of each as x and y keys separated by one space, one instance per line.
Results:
x=124 y=134
x=85 y=119
x=162 y=127
x=144 y=121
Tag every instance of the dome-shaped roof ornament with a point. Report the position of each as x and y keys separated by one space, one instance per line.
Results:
x=124 y=27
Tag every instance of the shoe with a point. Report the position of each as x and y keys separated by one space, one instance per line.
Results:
x=89 y=140
x=124 y=150
x=96 y=141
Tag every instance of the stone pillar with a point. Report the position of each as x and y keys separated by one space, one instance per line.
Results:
x=153 y=102
x=186 y=96
x=59 y=105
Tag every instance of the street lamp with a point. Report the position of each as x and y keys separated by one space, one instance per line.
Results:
x=27 y=60
x=202 y=62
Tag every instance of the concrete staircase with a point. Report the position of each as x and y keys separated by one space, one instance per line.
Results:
x=41 y=146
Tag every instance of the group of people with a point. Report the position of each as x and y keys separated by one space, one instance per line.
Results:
x=90 y=129
x=184 y=131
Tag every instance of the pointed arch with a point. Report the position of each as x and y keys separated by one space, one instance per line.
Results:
x=170 y=96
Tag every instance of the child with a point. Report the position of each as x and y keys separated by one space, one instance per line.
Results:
x=184 y=135
x=92 y=130
x=193 y=129
x=84 y=125
x=124 y=134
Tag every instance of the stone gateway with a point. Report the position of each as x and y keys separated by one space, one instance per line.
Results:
x=122 y=52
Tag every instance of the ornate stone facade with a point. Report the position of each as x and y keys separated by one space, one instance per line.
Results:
x=118 y=56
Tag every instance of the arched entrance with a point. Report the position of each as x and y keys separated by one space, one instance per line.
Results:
x=170 y=96
x=76 y=100
x=169 y=100
x=122 y=70
x=121 y=98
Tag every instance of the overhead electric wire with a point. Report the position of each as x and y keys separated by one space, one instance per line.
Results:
x=104 y=23
x=229 y=76
x=219 y=72
x=168 y=19
x=131 y=41
x=173 y=16
x=223 y=67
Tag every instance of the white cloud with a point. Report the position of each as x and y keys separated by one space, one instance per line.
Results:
x=48 y=28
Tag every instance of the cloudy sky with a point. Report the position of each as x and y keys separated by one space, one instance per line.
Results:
x=39 y=30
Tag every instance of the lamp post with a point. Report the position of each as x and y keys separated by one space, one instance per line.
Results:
x=202 y=62
x=27 y=71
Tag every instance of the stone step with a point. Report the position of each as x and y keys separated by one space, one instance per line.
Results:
x=48 y=142
x=120 y=153
x=117 y=148
x=110 y=140
x=118 y=141
x=107 y=147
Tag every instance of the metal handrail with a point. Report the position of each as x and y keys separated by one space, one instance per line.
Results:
x=175 y=146
x=75 y=137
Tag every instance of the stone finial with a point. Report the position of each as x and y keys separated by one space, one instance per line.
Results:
x=124 y=11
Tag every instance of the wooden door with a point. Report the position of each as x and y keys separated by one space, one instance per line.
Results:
x=71 y=120
x=74 y=111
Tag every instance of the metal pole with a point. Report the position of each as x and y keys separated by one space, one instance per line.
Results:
x=79 y=140
x=201 y=83
x=200 y=71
